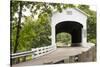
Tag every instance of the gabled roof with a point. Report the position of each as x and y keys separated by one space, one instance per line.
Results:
x=75 y=9
x=81 y=11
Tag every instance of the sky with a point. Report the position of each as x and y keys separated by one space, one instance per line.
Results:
x=92 y=7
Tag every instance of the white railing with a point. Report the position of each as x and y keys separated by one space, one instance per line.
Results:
x=36 y=52
x=21 y=54
x=42 y=51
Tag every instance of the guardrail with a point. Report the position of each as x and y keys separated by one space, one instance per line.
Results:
x=42 y=51
x=21 y=54
x=35 y=52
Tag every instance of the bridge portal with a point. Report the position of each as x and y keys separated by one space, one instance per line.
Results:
x=72 y=21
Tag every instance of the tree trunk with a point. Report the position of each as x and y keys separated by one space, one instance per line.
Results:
x=18 y=28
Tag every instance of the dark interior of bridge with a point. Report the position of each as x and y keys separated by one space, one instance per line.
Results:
x=73 y=28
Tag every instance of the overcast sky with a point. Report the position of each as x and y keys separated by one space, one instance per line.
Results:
x=92 y=7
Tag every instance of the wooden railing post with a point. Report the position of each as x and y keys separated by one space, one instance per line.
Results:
x=24 y=58
x=17 y=60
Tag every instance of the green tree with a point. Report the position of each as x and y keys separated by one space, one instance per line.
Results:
x=64 y=38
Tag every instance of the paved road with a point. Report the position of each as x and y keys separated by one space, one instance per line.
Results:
x=58 y=55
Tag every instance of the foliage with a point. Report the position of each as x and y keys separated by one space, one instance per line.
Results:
x=64 y=38
x=33 y=34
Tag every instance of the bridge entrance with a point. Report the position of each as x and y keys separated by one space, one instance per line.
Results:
x=72 y=21
x=73 y=28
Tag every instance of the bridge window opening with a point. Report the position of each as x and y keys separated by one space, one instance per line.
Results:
x=69 y=12
x=63 y=39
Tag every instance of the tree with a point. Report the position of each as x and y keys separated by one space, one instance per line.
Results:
x=64 y=38
x=18 y=28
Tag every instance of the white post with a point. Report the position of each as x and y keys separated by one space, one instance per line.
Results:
x=53 y=35
x=84 y=36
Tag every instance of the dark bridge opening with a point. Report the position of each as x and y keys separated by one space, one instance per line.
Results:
x=73 y=28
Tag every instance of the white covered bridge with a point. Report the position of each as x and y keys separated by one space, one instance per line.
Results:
x=72 y=21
